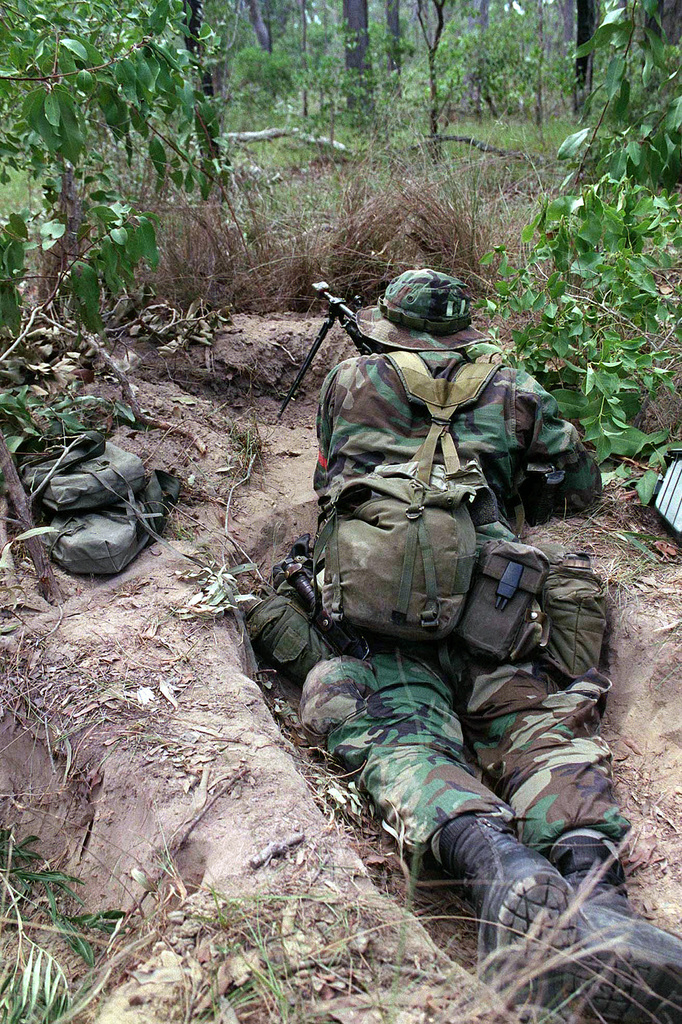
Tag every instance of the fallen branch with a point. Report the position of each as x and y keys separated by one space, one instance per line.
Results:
x=484 y=147
x=47 y=584
x=183 y=832
x=280 y=133
x=129 y=396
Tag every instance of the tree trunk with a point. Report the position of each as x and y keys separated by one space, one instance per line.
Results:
x=672 y=20
x=47 y=584
x=194 y=19
x=357 y=39
x=539 y=104
x=568 y=19
x=432 y=40
x=585 y=29
x=480 y=15
x=670 y=13
x=304 y=52
x=477 y=21
x=393 y=26
x=259 y=26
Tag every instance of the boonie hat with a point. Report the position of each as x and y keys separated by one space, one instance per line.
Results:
x=420 y=310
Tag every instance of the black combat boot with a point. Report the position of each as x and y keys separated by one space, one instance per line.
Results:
x=590 y=863
x=628 y=970
x=520 y=900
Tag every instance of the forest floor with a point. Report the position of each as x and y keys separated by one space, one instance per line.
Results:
x=157 y=765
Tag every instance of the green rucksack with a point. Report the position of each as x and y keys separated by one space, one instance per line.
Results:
x=399 y=544
x=105 y=512
x=89 y=473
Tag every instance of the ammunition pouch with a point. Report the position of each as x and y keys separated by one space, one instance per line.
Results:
x=502 y=617
x=539 y=490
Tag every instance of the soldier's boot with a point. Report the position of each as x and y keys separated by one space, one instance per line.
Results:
x=521 y=903
x=629 y=970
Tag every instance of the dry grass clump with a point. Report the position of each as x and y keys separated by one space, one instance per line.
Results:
x=357 y=226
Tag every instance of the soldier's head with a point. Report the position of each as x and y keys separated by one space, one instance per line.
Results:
x=420 y=310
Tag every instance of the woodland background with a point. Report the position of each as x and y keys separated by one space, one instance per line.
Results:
x=166 y=169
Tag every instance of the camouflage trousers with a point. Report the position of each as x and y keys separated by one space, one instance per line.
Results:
x=411 y=736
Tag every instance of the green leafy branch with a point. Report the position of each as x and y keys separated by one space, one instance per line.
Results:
x=33 y=985
x=68 y=80
x=597 y=313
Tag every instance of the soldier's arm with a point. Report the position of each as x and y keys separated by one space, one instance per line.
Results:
x=325 y=426
x=546 y=437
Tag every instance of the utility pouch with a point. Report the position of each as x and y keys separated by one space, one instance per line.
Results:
x=284 y=636
x=574 y=598
x=502 y=618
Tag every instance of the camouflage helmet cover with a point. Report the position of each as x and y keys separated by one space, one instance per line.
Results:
x=421 y=310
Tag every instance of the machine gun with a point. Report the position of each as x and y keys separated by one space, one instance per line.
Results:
x=338 y=310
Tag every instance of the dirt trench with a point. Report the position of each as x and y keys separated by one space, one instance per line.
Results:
x=154 y=763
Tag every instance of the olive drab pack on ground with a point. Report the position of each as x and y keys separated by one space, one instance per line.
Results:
x=409 y=528
x=104 y=510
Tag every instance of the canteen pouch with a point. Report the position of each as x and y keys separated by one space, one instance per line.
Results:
x=283 y=635
x=502 y=618
x=574 y=599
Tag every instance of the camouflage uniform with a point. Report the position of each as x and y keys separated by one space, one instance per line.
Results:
x=409 y=727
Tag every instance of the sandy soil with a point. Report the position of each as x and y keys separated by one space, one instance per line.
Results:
x=155 y=762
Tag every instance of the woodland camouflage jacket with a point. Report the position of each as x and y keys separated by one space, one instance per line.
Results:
x=365 y=419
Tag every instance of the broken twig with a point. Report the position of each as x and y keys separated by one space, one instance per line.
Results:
x=275 y=849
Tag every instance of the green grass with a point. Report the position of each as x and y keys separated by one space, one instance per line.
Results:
x=15 y=194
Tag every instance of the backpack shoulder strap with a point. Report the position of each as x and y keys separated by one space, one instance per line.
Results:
x=442 y=398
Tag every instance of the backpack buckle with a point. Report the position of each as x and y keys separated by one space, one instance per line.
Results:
x=430 y=615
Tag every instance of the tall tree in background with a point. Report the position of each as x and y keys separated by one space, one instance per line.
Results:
x=670 y=15
x=194 y=19
x=304 y=52
x=431 y=17
x=479 y=14
x=356 y=25
x=478 y=20
x=394 y=40
x=568 y=19
x=259 y=27
x=585 y=28
x=539 y=101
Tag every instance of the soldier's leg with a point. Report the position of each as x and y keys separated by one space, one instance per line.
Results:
x=391 y=718
x=540 y=750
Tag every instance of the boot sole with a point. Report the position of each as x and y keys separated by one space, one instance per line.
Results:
x=534 y=933
x=535 y=910
x=636 y=975
x=532 y=924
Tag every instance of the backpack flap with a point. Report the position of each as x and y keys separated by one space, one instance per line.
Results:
x=95 y=482
x=398 y=557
